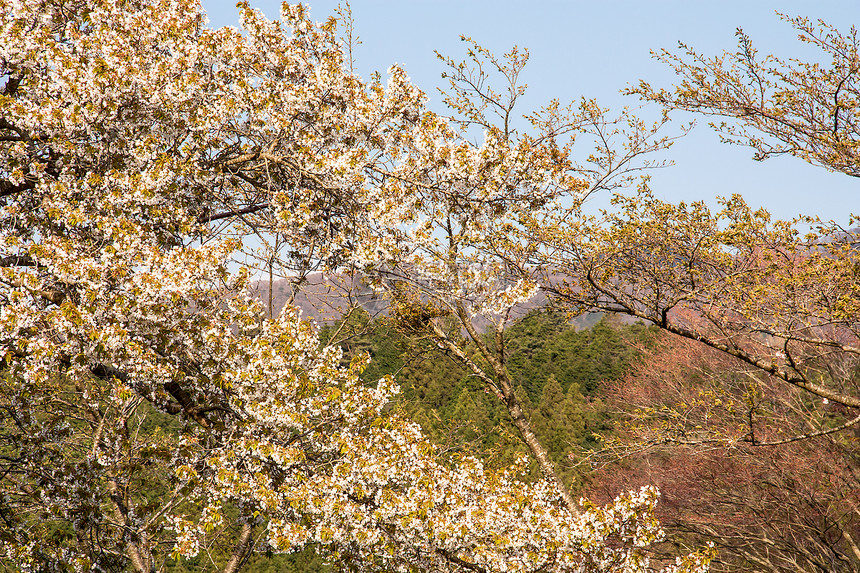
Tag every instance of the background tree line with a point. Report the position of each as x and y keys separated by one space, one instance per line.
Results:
x=619 y=405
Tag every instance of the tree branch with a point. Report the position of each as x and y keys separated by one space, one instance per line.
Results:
x=18 y=261
x=234 y=213
x=806 y=436
x=242 y=550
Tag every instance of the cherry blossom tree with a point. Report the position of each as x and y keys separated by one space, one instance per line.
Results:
x=457 y=276
x=151 y=409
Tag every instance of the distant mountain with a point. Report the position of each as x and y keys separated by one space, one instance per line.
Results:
x=325 y=298
x=322 y=298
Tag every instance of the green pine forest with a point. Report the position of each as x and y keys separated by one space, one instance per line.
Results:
x=559 y=368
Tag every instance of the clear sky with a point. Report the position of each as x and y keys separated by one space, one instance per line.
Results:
x=595 y=49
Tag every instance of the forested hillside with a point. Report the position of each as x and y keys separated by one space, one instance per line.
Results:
x=621 y=405
x=559 y=370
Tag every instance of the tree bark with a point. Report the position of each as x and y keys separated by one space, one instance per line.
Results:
x=242 y=549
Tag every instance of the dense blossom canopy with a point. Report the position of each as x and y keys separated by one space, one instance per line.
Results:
x=149 y=409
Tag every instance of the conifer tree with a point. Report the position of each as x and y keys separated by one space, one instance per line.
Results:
x=473 y=417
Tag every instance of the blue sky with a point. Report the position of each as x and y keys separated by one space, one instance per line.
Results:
x=595 y=49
